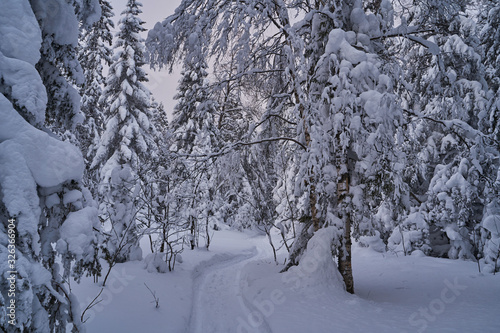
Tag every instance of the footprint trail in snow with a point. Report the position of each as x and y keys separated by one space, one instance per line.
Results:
x=219 y=305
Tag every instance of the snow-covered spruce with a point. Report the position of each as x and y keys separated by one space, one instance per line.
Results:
x=58 y=65
x=195 y=133
x=127 y=144
x=40 y=175
x=94 y=52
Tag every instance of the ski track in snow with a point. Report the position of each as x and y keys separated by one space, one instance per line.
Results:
x=219 y=304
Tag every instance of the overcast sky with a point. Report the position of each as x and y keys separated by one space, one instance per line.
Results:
x=161 y=84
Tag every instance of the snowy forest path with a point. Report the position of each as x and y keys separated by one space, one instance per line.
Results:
x=219 y=304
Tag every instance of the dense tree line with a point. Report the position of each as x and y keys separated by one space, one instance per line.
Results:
x=376 y=119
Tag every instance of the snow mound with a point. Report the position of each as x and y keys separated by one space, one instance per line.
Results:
x=374 y=242
x=316 y=268
x=27 y=89
x=155 y=263
x=19 y=52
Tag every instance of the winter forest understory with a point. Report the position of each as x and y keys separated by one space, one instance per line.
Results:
x=327 y=166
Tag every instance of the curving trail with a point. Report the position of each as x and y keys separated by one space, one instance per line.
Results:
x=219 y=304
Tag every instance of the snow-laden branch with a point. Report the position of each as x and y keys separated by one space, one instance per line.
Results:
x=469 y=131
x=395 y=33
x=409 y=32
x=236 y=145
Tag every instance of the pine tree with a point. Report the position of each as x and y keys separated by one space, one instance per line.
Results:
x=195 y=133
x=94 y=52
x=47 y=218
x=58 y=66
x=127 y=144
x=490 y=40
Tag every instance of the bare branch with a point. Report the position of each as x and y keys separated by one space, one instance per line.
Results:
x=91 y=305
x=277 y=116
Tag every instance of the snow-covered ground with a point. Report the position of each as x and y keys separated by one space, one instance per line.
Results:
x=236 y=287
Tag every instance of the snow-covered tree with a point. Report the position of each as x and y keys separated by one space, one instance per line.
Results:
x=58 y=66
x=353 y=120
x=490 y=41
x=94 y=53
x=127 y=144
x=448 y=106
x=156 y=192
x=47 y=218
x=194 y=134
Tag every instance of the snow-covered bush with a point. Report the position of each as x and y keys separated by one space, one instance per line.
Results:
x=156 y=263
x=491 y=240
x=452 y=197
x=410 y=235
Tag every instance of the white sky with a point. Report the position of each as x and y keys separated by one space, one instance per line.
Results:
x=161 y=84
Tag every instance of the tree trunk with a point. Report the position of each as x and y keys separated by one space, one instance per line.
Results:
x=344 y=254
x=313 y=199
x=314 y=211
x=345 y=265
x=194 y=222
x=193 y=233
x=300 y=243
